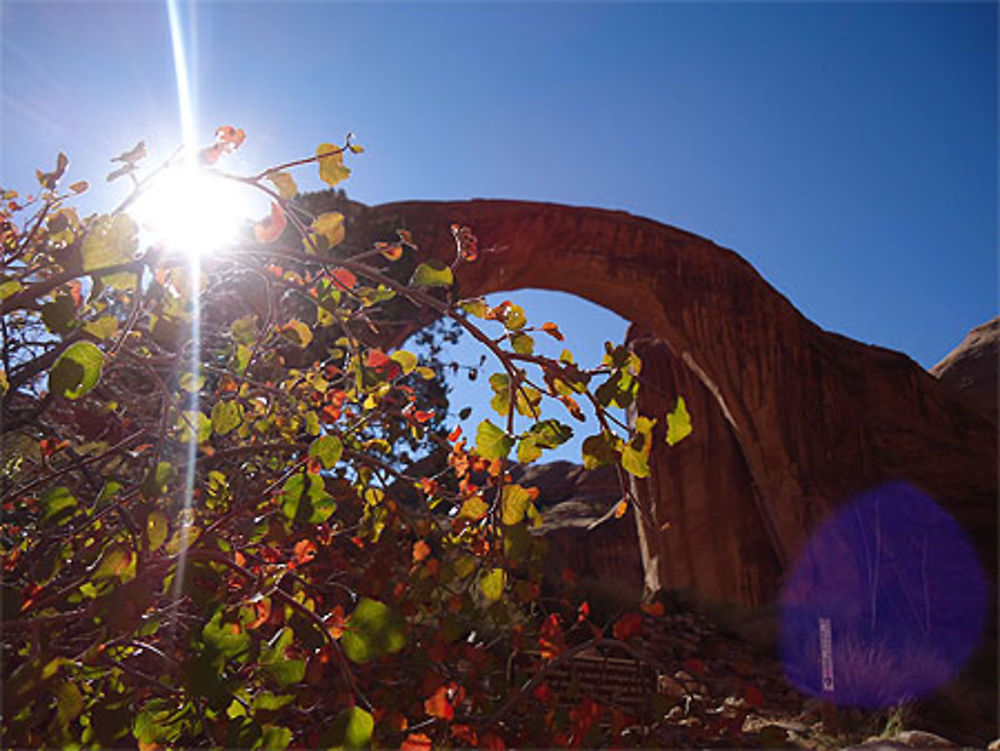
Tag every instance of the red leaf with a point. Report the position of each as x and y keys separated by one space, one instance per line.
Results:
x=268 y=230
x=627 y=626
x=416 y=742
x=439 y=706
x=455 y=434
x=693 y=665
x=377 y=359
x=344 y=278
x=753 y=696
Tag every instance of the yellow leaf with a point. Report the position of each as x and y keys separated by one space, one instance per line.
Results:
x=327 y=230
x=331 y=167
x=284 y=183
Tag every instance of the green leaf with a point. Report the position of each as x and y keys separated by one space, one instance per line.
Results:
x=8 y=288
x=304 y=499
x=514 y=503
x=527 y=400
x=352 y=729
x=58 y=505
x=58 y=314
x=474 y=509
x=157 y=480
x=678 y=423
x=270 y=702
x=527 y=450
x=191 y=383
x=522 y=344
x=69 y=702
x=228 y=637
x=276 y=663
x=111 y=241
x=598 y=451
x=115 y=561
x=515 y=318
x=635 y=462
x=327 y=449
x=500 y=383
x=406 y=360
x=373 y=630
x=297 y=333
x=331 y=167
x=492 y=442
x=226 y=416
x=475 y=307
x=157 y=528
x=193 y=425
x=274 y=737
x=103 y=327
x=492 y=583
x=434 y=273
x=550 y=434
x=76 y=371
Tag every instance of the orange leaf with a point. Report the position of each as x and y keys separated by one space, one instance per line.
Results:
x=390 y=251
x=304 y=551
x=420 y=551
x=552 y=330
x=269 y=229
x=344 y=278
x=654 y=609
x=231 y=138
x=262 y=609
x=335 y=622
x=455 y=434
x=416 y=742
x=620 y=509
x=439 y=706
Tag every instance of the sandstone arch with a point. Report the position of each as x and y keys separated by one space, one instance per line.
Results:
x=812 y=416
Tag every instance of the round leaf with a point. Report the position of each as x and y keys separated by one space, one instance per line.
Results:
x=76 y=371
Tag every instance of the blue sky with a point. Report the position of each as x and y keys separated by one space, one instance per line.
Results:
x=848 y=151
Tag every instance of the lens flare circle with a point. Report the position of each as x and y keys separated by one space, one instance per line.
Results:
x=886 y=604
x=192 y=210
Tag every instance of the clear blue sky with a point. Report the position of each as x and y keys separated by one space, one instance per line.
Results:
x=848 y=151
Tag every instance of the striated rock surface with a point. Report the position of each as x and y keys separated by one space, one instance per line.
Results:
x=971 y=368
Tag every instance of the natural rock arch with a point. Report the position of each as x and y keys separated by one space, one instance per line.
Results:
x=814 y=417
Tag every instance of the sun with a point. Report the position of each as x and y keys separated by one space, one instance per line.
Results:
x=192 y=210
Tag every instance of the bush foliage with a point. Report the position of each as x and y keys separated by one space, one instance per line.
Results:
x=215 y=531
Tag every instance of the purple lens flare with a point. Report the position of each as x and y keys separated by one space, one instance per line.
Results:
x=886 y=603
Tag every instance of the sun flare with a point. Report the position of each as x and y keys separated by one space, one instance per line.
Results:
x=192 y=210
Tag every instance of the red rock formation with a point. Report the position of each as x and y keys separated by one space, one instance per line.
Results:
x=814 y=416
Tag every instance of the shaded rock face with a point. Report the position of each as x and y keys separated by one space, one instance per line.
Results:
x=971 y=368
x=817 y=418
x=589 y=548
x=706 y=530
